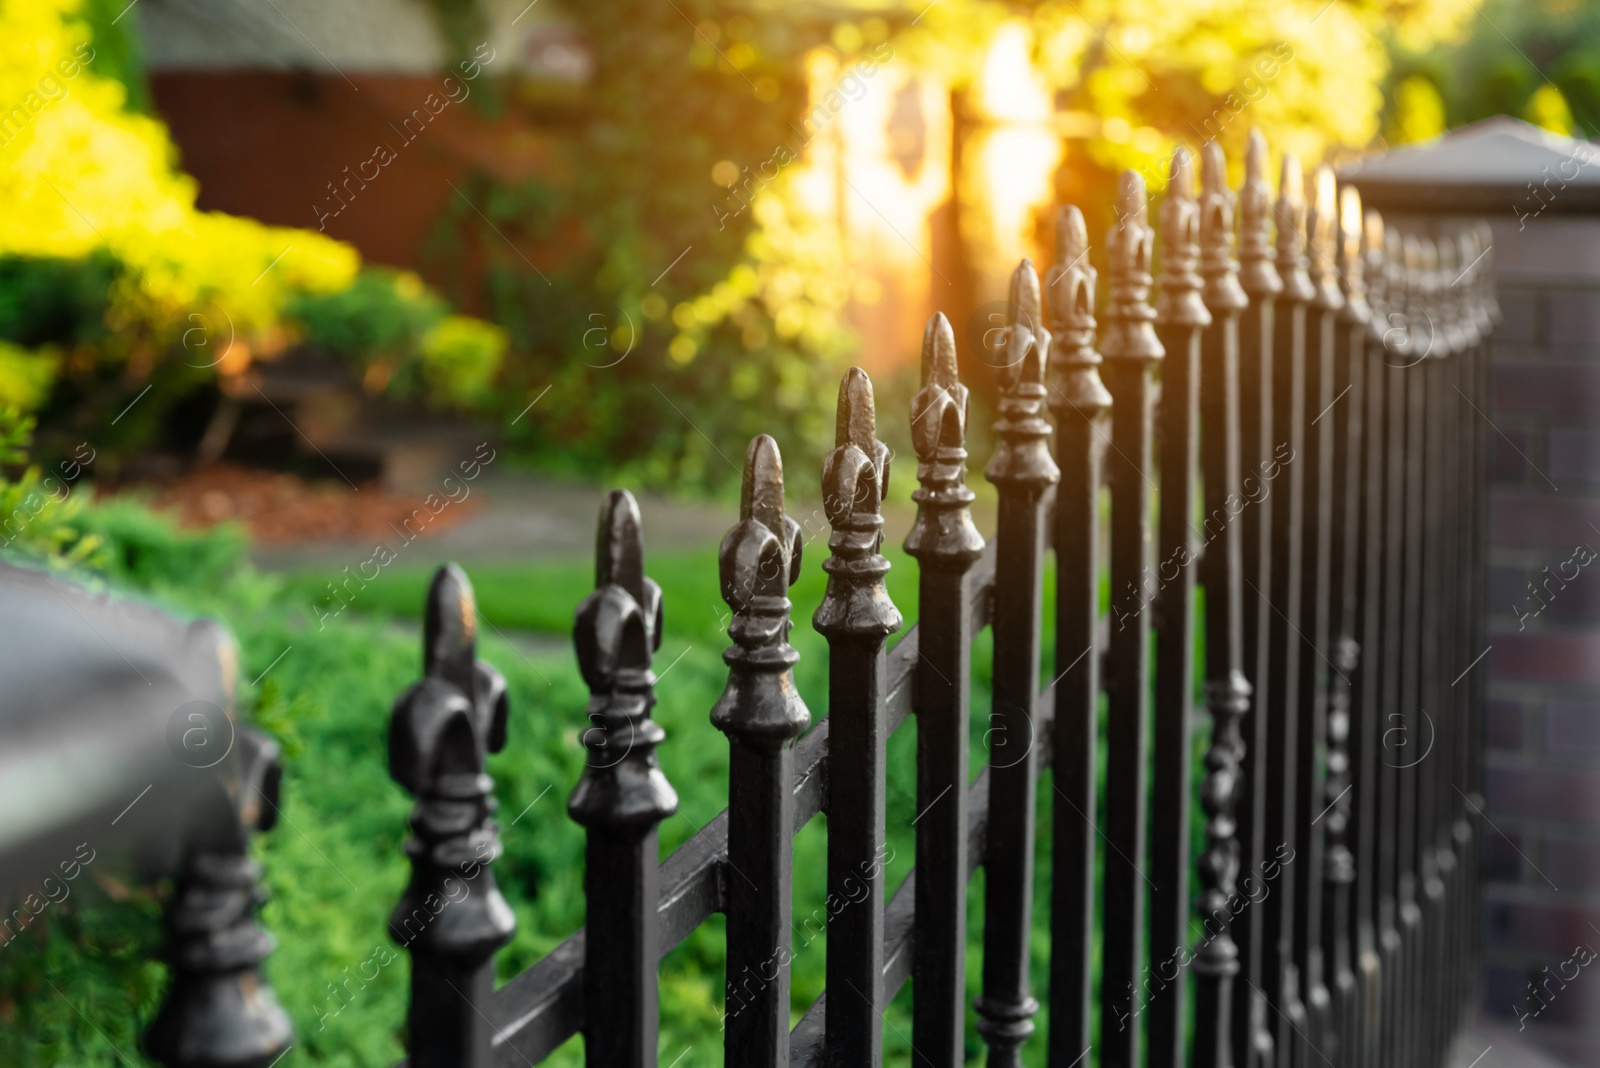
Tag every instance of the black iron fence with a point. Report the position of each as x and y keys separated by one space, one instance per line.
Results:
x=1310 y=461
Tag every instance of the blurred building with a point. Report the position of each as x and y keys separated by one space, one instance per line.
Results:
x=1541 y=195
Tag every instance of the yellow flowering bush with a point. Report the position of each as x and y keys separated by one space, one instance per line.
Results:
x=79 y=172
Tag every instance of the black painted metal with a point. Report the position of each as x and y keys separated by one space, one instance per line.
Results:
x=1181 y=316
x=1258 y=276
x=945 y=544
x=451 y=917
x=762 y=714
x=623 y=795
x=1286 y=648
x=857 y=617
x=1344 y=742
x=1341 y=553
x=1316 y=667
x=1227 y=691
x=219 y=1012
x=1022 y=470
x=1079 y=401
x=1131 y=351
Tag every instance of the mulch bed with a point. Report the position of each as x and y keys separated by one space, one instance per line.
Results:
x=280 y=509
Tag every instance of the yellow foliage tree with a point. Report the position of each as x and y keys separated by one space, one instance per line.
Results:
x=79 y=172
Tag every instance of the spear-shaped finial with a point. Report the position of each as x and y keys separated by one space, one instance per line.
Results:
x=1179 y=303
x=1375 y=273
x=1322 y=226
x=1352 y=279
x=1258 y=273
x=855 y=479
x=1074 y=363
x=943 y=534
x=1222 y=292
x=1469 y=314
x=1022 y=456
x=1129 y=334
x=1291 y=246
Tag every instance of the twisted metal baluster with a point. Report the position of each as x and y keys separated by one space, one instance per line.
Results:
x=1079 y=402
x=1226 y=689
x=622 y=796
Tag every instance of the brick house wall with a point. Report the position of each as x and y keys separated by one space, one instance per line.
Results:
x=1542 y=775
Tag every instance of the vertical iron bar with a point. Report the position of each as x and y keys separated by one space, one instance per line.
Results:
x=1252 y=1036
x=451 y=917
x=856 y=617
x=1395 y=353
x=1079 y=402
x=1344 y=742
x=762 y=714
x=622 y=796
x=1227 y=691
x=1131 y=351
x=1283 y=600
x=1180 y=317
x=1410 y=913
x=1375 y=648
x=1319 y=405
x=945 y=544
x=1022 y=470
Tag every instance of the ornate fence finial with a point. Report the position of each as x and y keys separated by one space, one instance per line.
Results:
x=1446 y=298
x=1470 y=314
x=1074 y=363
x=759 y=561
x=1421 y=334
x=1222 y=292
x=943 y=534
x=617 y=630
x=1291 y=243
x=762 y=714
x=1375 y=273
x=1179 y=302
x=440 y=733
x=1129 y=333
x=1322 y=228
x=1022 y=457
x=219 y=1011
x=1352 y=264
x=855 y=479
x=1257 y=271
x=1484 y=267
x=622 y=795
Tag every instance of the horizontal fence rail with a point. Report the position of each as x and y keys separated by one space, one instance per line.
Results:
x=1271 y=403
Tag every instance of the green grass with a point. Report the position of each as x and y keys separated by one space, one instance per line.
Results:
x=335 y=864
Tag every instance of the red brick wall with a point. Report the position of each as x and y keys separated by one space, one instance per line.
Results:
x=1542 y=782
x=267 y=143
